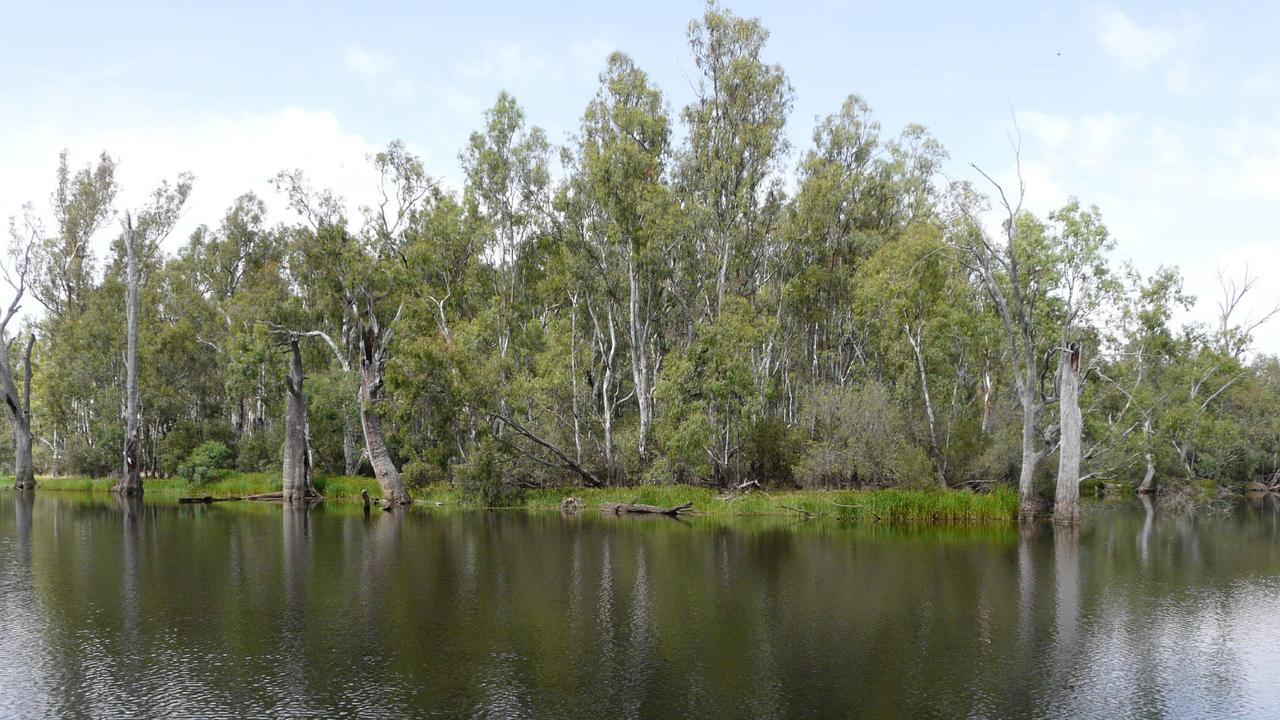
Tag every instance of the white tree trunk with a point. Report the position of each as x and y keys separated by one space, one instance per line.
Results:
x=1027 y=505
x=1066 y=507
x=930 y=417
x=130 y=482
x=298 y=485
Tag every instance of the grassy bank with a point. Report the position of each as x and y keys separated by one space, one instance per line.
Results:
x=231 y=484
x=889 y=505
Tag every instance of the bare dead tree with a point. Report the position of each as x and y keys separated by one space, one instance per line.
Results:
x=18 y=402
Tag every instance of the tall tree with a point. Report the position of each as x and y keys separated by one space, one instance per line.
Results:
x=363 y=274
x=1010 y=270
x=622 y=153
x=735 y=145
x=155 y=222
x=1084 y=285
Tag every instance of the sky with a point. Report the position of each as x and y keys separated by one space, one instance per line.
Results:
x=1165 y=115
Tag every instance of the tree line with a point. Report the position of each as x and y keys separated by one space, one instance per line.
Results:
x=669 y=297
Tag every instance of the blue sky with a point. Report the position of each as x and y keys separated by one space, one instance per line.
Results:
x=1165 y=115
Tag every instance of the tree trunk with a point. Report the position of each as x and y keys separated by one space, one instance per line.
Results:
x=130 y=482
x=18 y=407
x=1149 y=479
x=350 y=448
x=1066 y=507
x=1030 y=456
x=640 y=359
x=375 y=440
x=1148 y=485
x=939 y=463
x=298 y=484
x=24 y=476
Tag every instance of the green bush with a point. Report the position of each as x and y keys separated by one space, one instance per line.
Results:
x=262 y=450
x=421 y=472
x=482 y=480
x=205 y=462
x=101 y=458
x=861 y=438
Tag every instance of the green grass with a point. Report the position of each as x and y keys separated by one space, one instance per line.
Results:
x=930 y=507
x=890 y=505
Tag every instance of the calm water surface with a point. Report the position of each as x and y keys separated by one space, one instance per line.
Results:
x=144 y=610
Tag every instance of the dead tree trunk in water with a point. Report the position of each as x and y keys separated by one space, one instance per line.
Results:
x=1066 y=507
x=298 y=483
x=1149 y=479
x=130 y=482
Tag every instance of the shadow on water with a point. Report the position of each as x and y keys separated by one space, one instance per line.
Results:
x=129 y=607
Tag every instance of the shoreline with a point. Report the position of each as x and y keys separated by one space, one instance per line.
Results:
x=889 y=505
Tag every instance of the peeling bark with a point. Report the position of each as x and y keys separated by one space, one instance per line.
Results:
x=1066 y=507
x=298 y=484
x=130 y=482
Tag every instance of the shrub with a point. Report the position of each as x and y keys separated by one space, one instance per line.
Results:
x=100 y=459
x=204 y=463
x=860 y=438
x=482 y=480
x=262 y=450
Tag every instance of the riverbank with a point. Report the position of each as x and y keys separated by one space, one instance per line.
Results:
x=956 y=507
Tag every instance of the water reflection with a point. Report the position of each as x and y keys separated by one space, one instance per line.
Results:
x=120 y=607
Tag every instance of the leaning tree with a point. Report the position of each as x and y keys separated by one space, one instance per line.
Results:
x=18 y=404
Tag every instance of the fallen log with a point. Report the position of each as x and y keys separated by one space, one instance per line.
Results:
x=206 y=500
x=639 y=508
x=279 y=495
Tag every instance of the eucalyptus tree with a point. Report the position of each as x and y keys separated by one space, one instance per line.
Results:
x=155 y=222
x=924 y=321
x=735 y=146
x=856 y=192
x=236 y=266
x=508 y=183
x=1084 y=286
x=64 y=262
x=1012 y=270
x=621 y=168
x=361 y=275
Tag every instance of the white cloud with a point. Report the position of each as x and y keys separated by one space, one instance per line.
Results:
x=1140 y=47
x=1202 y=200
x=1178 y=79
x=229 y=154
x=367 y=63
x=508 y=64
x=1264 y=80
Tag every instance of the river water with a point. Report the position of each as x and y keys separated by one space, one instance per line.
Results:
x=114 y=609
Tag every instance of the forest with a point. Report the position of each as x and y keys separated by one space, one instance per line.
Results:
x=673 y=296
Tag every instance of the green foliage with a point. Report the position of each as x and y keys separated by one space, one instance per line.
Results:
x=483 y=480
x=205 y=462
x=261 y=450
x=858 y=439
x=664 y=306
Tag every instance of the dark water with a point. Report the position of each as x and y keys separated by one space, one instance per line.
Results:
x=111 y=610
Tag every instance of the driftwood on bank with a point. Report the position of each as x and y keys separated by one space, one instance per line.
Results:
x=639 y=508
